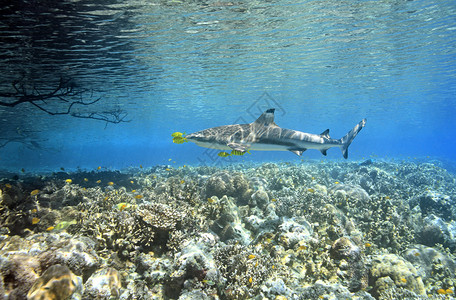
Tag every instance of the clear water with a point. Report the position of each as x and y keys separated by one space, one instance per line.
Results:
x=189 y=65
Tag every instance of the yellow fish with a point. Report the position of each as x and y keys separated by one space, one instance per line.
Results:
x=177 y=134
x=8 y=185
x=50 y=228
x=237 y=152
x=85 y=179
x=35 y=221
x=64 y=225
x=110 y=183
x=68 y=181
x=139 y=196
x=98 y=181
x=223 y=154
x=34 y=192
x=179 y=140
x=99 y=168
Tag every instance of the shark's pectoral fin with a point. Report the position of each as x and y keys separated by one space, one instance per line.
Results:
x=323 y=151
x=298 y=151
x=239 y=147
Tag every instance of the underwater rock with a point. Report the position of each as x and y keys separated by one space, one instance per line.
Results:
x=274 y=288
x=259 y=199
x=351 y=263
x=431 y=202
x=353 y=191
x=437 y=231
x=400 y=271
x=56 y=283
x=434 y=266
x=19 y=273
x=229 y=225
x=322 y=290
x=77 y=253
x=294 y=230
x=230 y=184
x=153 y=270
x=193 y=264
x=103 y=284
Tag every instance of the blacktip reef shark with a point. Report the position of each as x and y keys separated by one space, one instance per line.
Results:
x=265 y=135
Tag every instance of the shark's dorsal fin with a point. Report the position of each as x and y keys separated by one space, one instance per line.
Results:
x=325 y=133
x=323 y=151
x=266 y=118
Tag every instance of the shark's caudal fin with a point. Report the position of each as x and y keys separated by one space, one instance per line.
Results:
x=348 y=138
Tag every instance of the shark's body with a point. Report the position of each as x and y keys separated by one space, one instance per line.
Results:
x=265 y=135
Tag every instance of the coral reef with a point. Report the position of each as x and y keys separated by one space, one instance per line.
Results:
x=310 y=230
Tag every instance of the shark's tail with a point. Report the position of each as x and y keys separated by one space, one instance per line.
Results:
x=348 y=138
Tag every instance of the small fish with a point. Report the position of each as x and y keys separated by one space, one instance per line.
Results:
x=139 y=196
x=34 y=210
x=110 y=183
x=208 y=282
x=251 y=256
x=168 y=169
x=449 y=291
x=240 y=153
x=122 y=206
x=182 y=181
x=417 y=253
x=441 y=291
x=301 y=248
x=133 y=191
x=179 y=140
x=8 y=185
x=62 y=168
x=273 y=200
x=23 y=170
x=35 y=220
x=311 y=190
x=50 y=228
x=177 y=134
x=106 y=198
x=368 y=245
x=250 y=280
x=337 y=182
x=98 y=181
x=210 y=200
x=99 y=168
x=68 y=181
x=223 y=154
x=170 y=159
x=64 y=225
x=140 y=166
x=404 y=280
x=131 y=181
x=34 y=192
x=85 y=179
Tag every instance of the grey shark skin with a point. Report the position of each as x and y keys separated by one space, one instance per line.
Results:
x=265 y=135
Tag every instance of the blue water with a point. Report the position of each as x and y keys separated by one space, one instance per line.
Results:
x=189 y=65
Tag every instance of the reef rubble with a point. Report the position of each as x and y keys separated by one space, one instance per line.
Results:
x=307 y=230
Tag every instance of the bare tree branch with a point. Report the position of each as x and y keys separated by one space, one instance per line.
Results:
x=64 y=93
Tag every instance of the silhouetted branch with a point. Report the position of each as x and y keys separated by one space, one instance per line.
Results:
x=64 y=93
